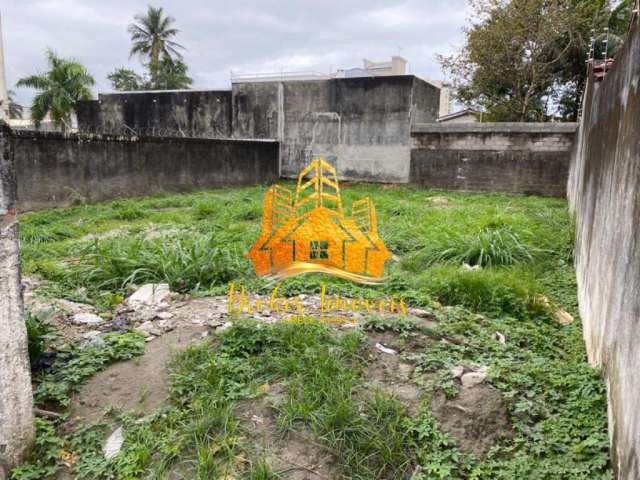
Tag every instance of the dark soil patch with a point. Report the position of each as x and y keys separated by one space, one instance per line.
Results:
x=476 y=418
x=390 y=373
x=296 y=455
x=139 y=385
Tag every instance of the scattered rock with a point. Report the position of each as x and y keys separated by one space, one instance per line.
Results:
x=73 y=308
x=225 y=326
x=440 y=201
x=91 y=334
x=563 y=317
x=420 y=313
x=87 y=319
x=472 y=379
x=120 y=323
x=148 y=328
x=469 y=268
x=43 y=311
x=151 y=294
x=457 y=371
x=95 y=342
x=114 y=443
x=501 y=338
x=164 y=315
x=383 y=349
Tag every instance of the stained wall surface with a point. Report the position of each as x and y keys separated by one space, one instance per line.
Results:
x=604 y=192
x=56 y=170
x=360 y=125
x=520 y=158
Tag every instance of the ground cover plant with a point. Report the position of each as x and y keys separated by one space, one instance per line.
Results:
x=480 y=264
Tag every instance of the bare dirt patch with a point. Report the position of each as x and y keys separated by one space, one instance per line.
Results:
x=139 y=385
x=295 y=455
x=476 y=418
x=390 y=373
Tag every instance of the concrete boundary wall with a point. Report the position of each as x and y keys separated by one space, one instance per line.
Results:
x=520 y=158
x=361 y=126
x=604 y=192
x=189 y=113
x=56 y=170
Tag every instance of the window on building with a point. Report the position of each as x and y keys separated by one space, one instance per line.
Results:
x=319 y=250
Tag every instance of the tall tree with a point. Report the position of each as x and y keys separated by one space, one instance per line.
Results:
x=152 y=35
x=60 y=88
x=126 y=80
x=524 y=60
x=171 y=75
x=507 y=65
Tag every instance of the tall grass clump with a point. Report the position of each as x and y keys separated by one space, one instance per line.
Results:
x=186 y=264
x=490 y=247
x=36 y=234
x=509 y=291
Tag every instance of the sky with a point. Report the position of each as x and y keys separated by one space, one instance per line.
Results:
x=243 y=36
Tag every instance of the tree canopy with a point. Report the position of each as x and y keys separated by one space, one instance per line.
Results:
x=171 y=75
x=524 y=60
x=60 y=88
x=152 y=37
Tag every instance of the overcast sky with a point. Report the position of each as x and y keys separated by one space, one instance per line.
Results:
x=244 y=36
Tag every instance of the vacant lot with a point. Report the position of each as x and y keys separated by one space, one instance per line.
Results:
x=486 y=378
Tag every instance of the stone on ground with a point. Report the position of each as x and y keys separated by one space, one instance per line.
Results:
x=149 y=295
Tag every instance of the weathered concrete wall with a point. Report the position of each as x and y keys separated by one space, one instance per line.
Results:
x=360 y=125
x=55 y=170
x=516 y=158
x=188 y=113
x=604 y=191
x=16 y=399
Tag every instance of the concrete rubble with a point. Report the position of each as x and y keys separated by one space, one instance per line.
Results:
x=153 y=310
x=113 y=444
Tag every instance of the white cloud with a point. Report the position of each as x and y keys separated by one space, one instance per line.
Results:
x=242 y=35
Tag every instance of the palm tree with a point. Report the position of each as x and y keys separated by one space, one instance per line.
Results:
x=15 y=109
x=152 y=38
x=66 y=82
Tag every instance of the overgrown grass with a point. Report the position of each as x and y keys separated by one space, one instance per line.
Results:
x=523 y=246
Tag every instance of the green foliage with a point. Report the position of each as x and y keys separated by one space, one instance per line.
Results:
x=15 y=109
x=60 y=88
x=438 y=456
x=489 y=247
x=556 y=403
x=186 y=264
x=523 y=60
x=37 y=335
x=126 y=80
x=169 y=75
x=47 y=461
x=511 y=291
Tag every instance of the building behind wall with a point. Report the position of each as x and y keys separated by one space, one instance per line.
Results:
x=361 y=125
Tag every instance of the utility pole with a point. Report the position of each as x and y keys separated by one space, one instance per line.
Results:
x=16 y=394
